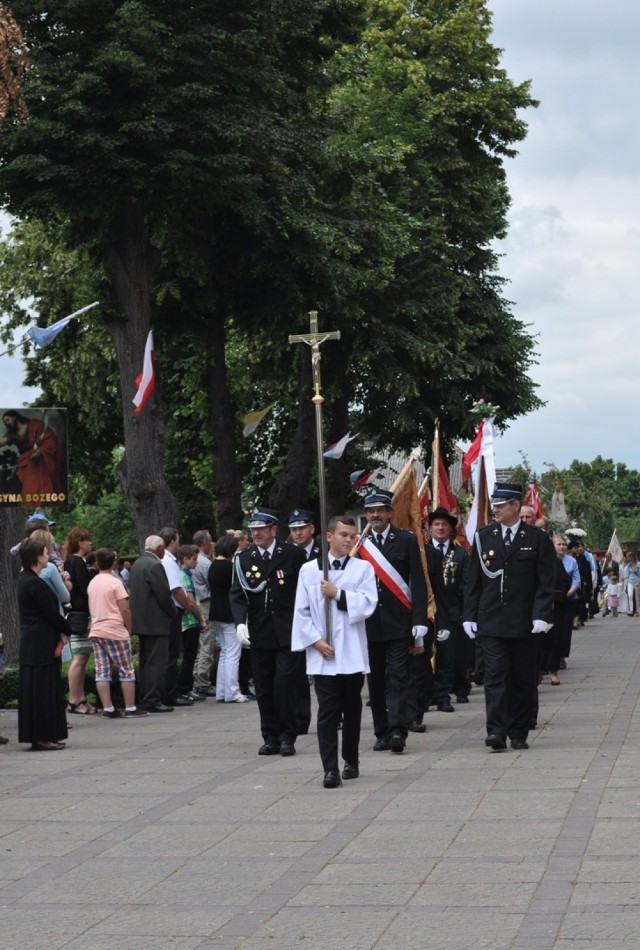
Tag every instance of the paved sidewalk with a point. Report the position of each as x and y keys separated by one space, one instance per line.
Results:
x=170 y=831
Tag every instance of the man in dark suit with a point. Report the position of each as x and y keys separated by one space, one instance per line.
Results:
x=262 y=599
x=396 y=622
x=302 y=530
x=152 y=613
x=509 y=603
x=454 y=656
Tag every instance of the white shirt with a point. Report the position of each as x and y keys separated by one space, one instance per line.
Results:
x=348 y=631
x=172 y=571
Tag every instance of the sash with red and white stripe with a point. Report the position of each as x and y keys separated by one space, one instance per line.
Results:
x=386 y=572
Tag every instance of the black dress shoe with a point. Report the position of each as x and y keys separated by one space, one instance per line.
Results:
x=182 y=701
x=519 y=744
x=462 y=699
x=159 y=707
x=269 y=748
x=534 y=724
x=382 y=745
x=396 y=742
x=287 y=748
x=4 y=740
x=445 y=707
x=350 y=771
x=332 y=779
x=416 y=726
x=495 y=742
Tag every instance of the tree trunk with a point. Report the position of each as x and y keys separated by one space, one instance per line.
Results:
x=132 y=265
x=222 y=421
x=291 y=487
x=11 y=531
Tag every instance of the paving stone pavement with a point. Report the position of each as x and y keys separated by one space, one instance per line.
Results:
x=171 y=832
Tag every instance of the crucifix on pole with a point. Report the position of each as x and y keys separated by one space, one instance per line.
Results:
x=315 y=339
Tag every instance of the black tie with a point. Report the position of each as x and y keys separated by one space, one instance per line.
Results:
x=337 y=565
x=266 y=557
x=380 y=539
x=507 y=537
x=441 y=546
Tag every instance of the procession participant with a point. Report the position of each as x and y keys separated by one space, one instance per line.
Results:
x=302 y=530
x=338 y=666
x=401 y=616
x=454 y=655
x=509 y=602
x=421 y=679
x=262 y=599
x=205 y=659
x=152 y=613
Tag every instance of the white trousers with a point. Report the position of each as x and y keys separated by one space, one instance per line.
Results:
x=227 y=688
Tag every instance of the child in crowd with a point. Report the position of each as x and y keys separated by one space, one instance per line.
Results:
x=613 y=593
x=192 y=623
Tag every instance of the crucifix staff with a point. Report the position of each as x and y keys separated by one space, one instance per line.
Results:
x=315 y=339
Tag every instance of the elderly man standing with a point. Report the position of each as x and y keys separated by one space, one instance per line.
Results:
x=206 y=649
x=262 y=599
x=509 y=603
x=152 y=613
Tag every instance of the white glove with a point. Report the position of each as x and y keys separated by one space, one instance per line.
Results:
x=470 y=628
x=442 y=635
x=418 y=642
x=539 y=626
x=419 y=631
x=242 y=633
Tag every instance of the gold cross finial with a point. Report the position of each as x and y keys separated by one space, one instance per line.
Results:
x=315 y=339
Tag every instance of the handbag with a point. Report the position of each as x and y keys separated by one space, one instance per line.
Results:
x=79 y=622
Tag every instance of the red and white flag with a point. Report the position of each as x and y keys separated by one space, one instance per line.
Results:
x=336 y=449
x=471 y=455
x=146 y=380
x=364 y=477
x=532 y=498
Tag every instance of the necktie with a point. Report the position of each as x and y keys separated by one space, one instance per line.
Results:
x=441 y=547
x=266 y=556
x=337 y=565
x=507 y=537
x=379 y=539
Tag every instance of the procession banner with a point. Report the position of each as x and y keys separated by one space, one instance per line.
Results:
x=34 y=457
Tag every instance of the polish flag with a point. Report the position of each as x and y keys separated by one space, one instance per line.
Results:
x=146 y=380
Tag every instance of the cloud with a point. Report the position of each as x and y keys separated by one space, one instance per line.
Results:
x=571 y=253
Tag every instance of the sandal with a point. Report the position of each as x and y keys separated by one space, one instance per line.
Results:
x=74 y=708
x=47 y=746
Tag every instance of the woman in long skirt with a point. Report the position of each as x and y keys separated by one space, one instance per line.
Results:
x=41 y=712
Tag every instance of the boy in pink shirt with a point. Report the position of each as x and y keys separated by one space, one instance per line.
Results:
x=111 y=636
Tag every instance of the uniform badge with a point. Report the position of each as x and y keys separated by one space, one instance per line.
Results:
x=491 y=553
x=248 y=574
x=257 y=575
x=254 y=568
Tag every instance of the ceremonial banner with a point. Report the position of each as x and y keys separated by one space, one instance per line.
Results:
x=34 y=457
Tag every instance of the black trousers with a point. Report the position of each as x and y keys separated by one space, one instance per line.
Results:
x=510 y=681
x=190 y=643
x=154 y=653
x=445 y=668
x=388 y=685
x=420 y=687
x=303 y=694
x=339 y=694
x=274 y=678
x=175 y=642
x=464 y=660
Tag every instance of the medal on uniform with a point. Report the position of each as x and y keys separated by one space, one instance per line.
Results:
x=280 y=576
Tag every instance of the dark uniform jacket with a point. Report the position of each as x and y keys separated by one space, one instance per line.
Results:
x=263 y=595
x=391 y=619
x=455 y=571
x=150 y=600
x=522 y=590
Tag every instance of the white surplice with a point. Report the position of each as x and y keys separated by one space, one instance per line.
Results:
x=348 y=632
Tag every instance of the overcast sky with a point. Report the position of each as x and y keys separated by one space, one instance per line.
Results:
x=574 y=243
x=573 y=248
